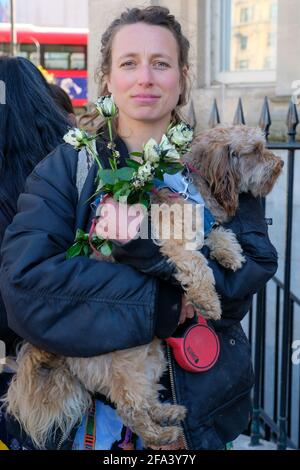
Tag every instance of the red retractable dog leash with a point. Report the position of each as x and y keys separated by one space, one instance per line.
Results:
x=197 y=348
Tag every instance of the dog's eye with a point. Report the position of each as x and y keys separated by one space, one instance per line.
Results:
x=233 y=154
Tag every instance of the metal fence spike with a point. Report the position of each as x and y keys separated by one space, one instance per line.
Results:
x=239 y=114
x=191 y=115
x=214 y=118
x=265 y=118
x=292 y=120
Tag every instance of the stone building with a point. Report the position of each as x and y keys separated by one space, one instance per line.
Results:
x=239 y=48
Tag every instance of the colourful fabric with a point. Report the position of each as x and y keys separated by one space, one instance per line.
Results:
x=110 y=433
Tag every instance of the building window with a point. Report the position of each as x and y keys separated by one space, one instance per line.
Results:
x=273 y=11
x=269 y=63
x=248 y=35
x=242 y=65
x=243 y=42
x=271 y=39
x=246 y=14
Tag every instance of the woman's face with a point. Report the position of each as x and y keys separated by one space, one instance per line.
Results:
x=145 y=76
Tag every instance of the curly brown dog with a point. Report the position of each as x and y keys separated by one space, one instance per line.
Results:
x=50 y=392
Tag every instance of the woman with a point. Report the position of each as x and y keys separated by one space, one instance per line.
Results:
x=82 y=307
x=31 y=126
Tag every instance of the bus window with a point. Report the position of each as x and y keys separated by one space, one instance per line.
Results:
x=63 y=57
x=77 y=61
x=29 y=51
x=4 y=49
x=56 y=60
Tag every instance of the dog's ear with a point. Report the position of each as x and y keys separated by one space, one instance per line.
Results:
x=259 y=147
x=222 y=177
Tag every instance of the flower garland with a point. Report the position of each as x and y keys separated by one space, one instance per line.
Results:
x=136 y=180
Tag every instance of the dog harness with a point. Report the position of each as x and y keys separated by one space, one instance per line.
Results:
x=182 y=184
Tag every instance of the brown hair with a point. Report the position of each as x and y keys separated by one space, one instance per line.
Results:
x=152 y=15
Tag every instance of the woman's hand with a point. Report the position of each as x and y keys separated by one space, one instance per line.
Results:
x=188 y=310
x=119 y=221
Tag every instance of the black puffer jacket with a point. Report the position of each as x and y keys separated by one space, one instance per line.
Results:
x=83 y=307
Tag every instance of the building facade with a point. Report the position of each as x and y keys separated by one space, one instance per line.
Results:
x=59 y=13
x=239 y=48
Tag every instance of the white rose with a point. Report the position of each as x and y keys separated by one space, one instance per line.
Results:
x=151 y=151
x=106 y=106
x=168 y=150
x=75 y=137
x=180 y=135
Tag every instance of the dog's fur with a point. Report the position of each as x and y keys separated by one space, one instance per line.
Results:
x=50 y=392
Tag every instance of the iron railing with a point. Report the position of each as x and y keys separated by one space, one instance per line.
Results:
x=280 y=424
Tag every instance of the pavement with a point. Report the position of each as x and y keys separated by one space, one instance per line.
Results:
x=243 y=443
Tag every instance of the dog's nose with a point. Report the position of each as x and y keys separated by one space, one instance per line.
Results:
x=281 y=163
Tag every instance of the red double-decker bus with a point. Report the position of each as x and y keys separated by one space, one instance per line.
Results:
x=61 y=51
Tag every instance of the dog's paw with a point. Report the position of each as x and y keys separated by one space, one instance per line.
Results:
x=163 y=436
x=167 y=414
x=213 y=314
x=210 y=312
x=234 y=262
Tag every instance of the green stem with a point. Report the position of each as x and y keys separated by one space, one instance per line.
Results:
x=110 y=130
x=95 y=155
x=115 y=166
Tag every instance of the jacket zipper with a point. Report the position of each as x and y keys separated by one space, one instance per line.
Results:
x=173 y=391
x=60 y=443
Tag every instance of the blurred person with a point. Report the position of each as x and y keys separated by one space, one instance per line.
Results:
x=31 y=126
x=63 y=100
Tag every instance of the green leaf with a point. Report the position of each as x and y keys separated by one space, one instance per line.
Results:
x=117 y=186
x=132 y=163
x=159 y=174
x=108 y=176
x=106 y=249
x=81 y=236
x=125 y=173
x=86 y=250
x=136 y=154
x=74 y=250
x=172 y=169
x=124 y=191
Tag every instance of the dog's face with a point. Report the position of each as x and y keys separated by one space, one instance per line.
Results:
x=234 y=159
x=256 y=167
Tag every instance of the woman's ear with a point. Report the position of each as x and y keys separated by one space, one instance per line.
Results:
x=222 y=177
x=107 y=83
x=183 y=77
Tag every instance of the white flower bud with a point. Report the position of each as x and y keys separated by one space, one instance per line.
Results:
x=75 y=137
x=106 y=106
